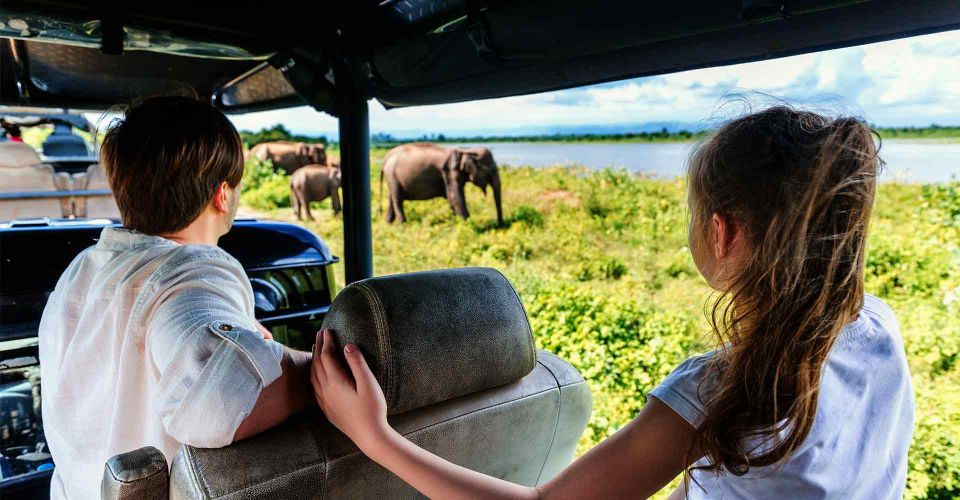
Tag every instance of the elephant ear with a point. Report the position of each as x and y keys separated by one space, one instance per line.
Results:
x=453 y=162
x=468 y=164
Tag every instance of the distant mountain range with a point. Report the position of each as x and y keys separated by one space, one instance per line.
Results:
x=632 y=128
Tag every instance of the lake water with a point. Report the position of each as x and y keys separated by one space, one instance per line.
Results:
x=906 y=161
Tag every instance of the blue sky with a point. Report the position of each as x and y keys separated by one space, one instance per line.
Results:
x=907 y=82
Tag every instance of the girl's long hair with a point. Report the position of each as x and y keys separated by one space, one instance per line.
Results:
x=800 y=186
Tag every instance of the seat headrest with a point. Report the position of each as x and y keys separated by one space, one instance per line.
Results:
x=137 y=474
x=17 y=154
x=436 y=335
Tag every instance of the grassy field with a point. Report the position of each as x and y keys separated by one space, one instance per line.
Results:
x=601 y=262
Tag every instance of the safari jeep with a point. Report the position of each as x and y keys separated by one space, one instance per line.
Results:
x=498 y=405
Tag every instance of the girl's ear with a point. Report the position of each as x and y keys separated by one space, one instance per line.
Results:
x=724 y=236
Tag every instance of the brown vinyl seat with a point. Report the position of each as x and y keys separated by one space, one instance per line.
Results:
x=454 y=353
x=95 y=206
x=22 y=171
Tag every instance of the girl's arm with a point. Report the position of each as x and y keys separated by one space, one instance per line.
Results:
x=635 y=462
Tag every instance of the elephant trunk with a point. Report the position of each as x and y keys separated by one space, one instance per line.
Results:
x=495 y=185
x=460 y=203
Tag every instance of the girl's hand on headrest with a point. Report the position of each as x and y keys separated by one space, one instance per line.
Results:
x=353 y=401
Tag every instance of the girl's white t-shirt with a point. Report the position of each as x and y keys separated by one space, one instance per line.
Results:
x=857 y=447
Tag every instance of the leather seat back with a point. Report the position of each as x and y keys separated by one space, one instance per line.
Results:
x=454 y=352
x=17 y=154
x=525 y=432
x=94 y=206
x=21 y=171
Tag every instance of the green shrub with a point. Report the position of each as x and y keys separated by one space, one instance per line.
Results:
x=605 y=267
x=623 y=349
x=264 y=188
x=527 y=215
x=943 y=200
x=934 y=458
x=906 y=265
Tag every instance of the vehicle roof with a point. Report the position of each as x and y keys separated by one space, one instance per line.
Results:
x=409 y=52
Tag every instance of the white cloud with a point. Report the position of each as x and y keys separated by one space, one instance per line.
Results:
x=914 y=81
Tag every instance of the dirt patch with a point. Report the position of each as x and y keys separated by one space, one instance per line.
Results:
x=568 y=198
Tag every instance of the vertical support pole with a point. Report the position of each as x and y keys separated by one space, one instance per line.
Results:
x=355 y=180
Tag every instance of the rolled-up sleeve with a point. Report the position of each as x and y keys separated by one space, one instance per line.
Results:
x=212 y=361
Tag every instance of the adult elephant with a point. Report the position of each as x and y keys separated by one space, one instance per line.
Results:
x=288 y=155
x=421 y=171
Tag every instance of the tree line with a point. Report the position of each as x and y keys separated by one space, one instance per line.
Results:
x=279 y=132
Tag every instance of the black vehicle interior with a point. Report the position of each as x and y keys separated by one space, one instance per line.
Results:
x=292 y=282
x=335 y=56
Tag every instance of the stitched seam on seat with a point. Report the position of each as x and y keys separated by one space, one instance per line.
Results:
x=323 y=484
x=526 y=346
x=383 y=341
x=272 y=479
x=552 y=355
x=323 y=456
x=451 y=419
x=487 y=408
x=458 y=417
x=153 y=461
x=137 y=479
x=556 y=425
x=199 y=480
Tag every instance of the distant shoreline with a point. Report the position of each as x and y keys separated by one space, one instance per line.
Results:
x=387 y=145
x=932 y=134
x=928 y=134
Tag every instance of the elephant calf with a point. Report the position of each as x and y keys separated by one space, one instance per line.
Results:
x=314 y=183
x=421 y=171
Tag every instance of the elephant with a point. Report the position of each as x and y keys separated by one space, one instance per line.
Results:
x=421 y=171
x=314 y=183
x=289 y=156
x=333 y=161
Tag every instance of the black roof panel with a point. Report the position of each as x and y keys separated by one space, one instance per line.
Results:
x=410 y=52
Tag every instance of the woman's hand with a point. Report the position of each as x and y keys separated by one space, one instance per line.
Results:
x=353 y=402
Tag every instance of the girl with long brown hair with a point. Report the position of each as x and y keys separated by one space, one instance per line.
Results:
x=807 y=394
